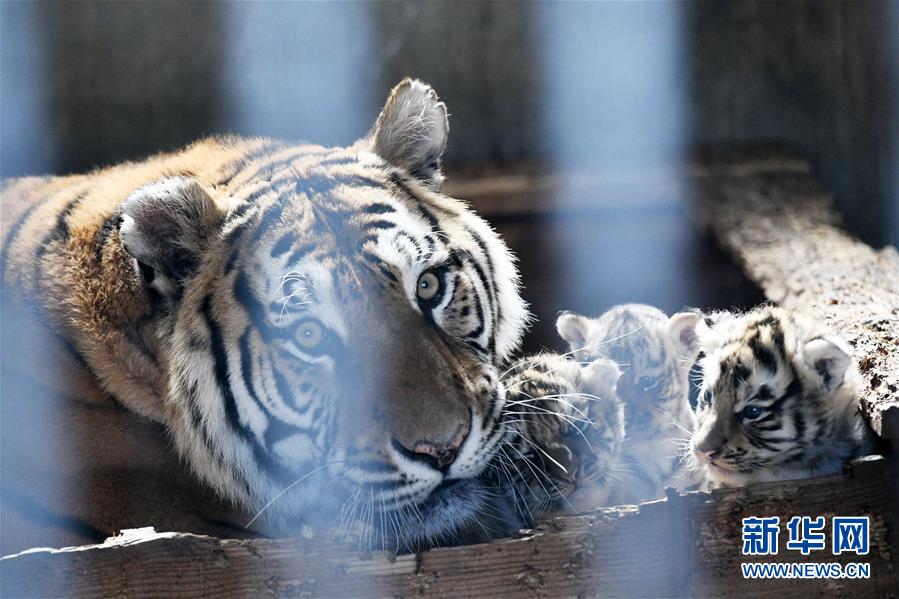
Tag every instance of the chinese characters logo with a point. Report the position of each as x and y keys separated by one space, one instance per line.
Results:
x=806 y=534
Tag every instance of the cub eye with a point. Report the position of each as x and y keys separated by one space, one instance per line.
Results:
x=309 y=334
x=429 y=286
x=751 y=412
x=707 y=397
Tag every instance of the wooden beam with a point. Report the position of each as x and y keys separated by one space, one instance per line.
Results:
x=532 y=190
x=682 y=545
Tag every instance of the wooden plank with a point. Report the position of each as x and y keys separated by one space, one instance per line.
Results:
x=780 y=224
x=682 y=545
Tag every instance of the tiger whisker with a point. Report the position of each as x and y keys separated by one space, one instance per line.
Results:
x=570 y=419
x=587 y=396
x=508 y=461
x=289 y=487
x=548 y=479
x=535 y=471
x=505 y=463
x=541 y=450
x=562 y=398
x=565 y=417
x=673 y=420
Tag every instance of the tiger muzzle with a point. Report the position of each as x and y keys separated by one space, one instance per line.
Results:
x=410 y=394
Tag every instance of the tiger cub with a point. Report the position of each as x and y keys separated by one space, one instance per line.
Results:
x=655 y=353
x=566 y=428
x=779 y=399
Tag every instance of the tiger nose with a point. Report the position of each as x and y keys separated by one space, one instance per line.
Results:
x=709 y=451
x=710 y=454
x=439 y=456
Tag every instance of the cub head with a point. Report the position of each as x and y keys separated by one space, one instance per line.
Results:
x=335 y=325
x=654 y=352
x=774 y=387
x=570 y=427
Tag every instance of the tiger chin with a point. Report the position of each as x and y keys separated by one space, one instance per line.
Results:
x=779 y=399
x=321 y=331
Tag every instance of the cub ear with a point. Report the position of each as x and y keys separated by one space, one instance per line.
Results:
x=829 y=357
x=602 y=377
x=166 y=226
x=709 y=321
x=682 y=330
x=573 y=329
x=411 y=131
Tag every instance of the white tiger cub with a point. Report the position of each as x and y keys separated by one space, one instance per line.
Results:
x=779 y=399
x=655 y=354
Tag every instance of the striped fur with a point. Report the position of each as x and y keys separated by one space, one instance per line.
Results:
x=779 y=399
x=261 y=301
x=655 y=354
x=567 y=425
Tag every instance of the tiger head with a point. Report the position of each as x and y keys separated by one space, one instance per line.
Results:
x=336 y=327
x=778 y=398
x=655 y=354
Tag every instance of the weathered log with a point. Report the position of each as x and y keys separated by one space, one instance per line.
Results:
x=768 y=209
x=682 y=545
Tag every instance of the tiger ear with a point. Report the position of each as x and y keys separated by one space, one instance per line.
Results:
x=829 y=358
x=705 y=327
x=166 y=226
x=573 y=329
x=602 y=377
x=682 y=330
x=412 y=129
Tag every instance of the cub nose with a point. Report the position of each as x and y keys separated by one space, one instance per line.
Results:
x=707 y=454
x=439 y=456
x=710 y=446
x=710 y=454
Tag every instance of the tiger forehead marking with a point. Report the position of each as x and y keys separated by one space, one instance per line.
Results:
x=754 y=359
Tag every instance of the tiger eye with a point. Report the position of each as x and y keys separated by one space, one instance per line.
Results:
x=428 y=286
x=752 y=412
x=309 y=334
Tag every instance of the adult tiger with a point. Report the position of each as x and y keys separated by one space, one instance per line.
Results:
x=290 y=313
